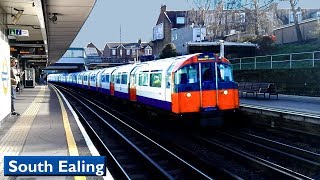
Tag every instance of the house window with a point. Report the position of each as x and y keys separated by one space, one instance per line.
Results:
x=242 y=17
x=291 y=18
x=180 y=20
x=120 y=52
x=148 y=51
x=128 y=52
x=113 y=52
x=133 y=52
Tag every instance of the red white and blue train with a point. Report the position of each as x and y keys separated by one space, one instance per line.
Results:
x=190 y=84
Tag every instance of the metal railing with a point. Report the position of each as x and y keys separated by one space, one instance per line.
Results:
x=279 y=61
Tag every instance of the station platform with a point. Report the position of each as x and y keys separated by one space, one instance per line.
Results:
x=287 y=102
x=297 y=108
x=47 y=126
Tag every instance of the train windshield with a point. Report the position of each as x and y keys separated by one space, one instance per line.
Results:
x=225 y=72
x=187 y=74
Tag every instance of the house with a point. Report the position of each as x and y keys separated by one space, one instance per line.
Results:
x=125 y=52
x=92 y=54
x=180 y=37
x=167 y=21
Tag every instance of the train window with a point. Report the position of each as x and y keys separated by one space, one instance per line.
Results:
x=118 y=78
x=107 y=77
x=207 y=71
x=132 y=79
x=143 y=79
x=113 y=78
x=85 y=78
x=103 y=78
x=187 y=74
x=124 y=78
x=155 y=79
x=93 y=78
x=168 y=75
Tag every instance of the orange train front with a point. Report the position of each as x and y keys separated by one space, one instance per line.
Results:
x=204 y=83
x=190 y=84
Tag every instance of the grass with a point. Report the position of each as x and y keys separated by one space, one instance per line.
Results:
x=308 y=46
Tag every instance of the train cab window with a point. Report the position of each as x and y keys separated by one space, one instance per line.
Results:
x=225 y=72
x=124 y=78
x=143 y=79
x=155 y=79
x=208 y=72
x=187 y=75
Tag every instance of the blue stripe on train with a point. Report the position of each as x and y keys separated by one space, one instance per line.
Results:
x=105 y=91
x=121 y=95
x=205 y=86
x=154 y=102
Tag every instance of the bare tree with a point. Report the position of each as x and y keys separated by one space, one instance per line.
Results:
x=293 y=4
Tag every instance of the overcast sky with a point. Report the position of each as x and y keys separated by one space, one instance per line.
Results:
x=136 y=17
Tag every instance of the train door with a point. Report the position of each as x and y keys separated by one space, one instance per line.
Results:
x=169 y=83
x=113 y=79
x=132 y=84
x=121 y=85
x=208 y=85
x=98 y=81
x=156 y=85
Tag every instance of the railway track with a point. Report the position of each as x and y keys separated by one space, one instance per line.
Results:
x=134 y=154
x=279 y=159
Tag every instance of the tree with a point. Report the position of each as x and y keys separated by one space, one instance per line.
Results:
x=169 y=50
x=293 y=4
x=251 y=16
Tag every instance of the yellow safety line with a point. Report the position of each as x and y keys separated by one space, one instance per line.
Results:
x=72 y=146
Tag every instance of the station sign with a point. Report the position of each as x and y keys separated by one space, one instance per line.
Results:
x=18 y=32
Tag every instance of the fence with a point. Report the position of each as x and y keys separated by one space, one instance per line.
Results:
x=279 y=61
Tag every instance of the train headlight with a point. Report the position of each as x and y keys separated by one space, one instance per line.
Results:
x=188 y=94
x=225 y=92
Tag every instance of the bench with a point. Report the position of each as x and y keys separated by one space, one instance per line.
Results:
x=257 y=89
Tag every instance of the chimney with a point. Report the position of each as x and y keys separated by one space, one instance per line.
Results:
x=163 y=8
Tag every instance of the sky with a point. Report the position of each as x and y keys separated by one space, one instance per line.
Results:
x=136 y=18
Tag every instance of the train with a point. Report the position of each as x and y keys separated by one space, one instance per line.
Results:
x=196 y=85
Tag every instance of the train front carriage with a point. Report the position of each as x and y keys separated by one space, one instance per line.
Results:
x=204 y=84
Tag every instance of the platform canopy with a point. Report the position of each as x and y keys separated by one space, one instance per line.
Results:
x=48 y=26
